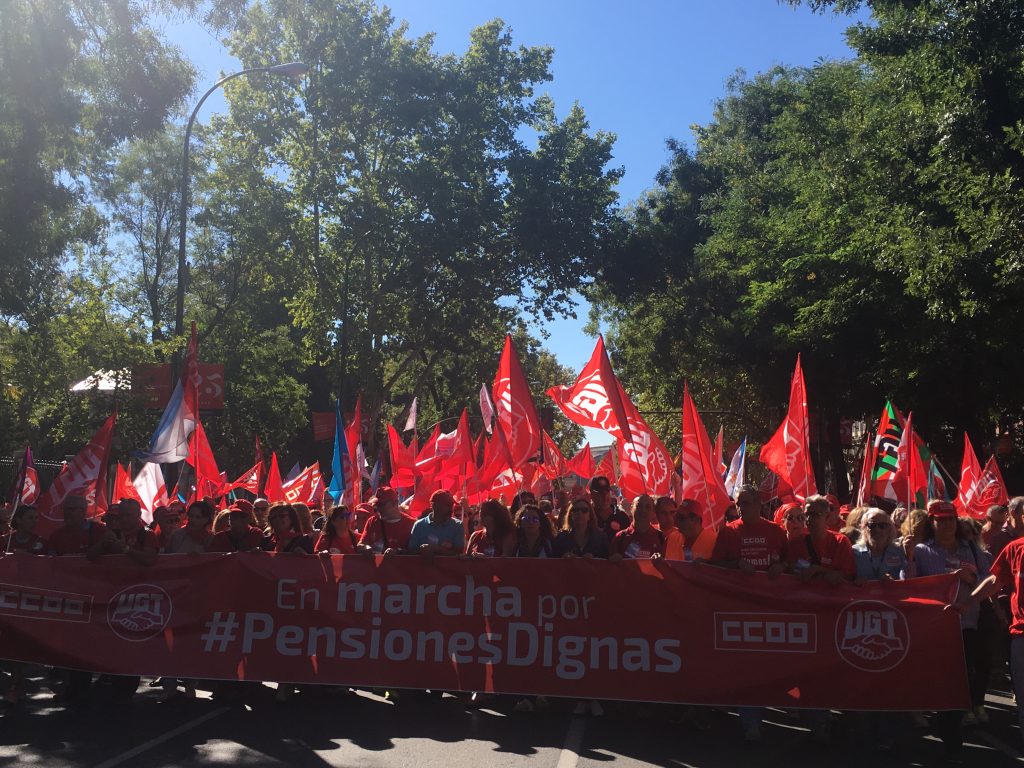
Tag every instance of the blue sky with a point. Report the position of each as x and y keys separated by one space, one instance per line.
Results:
x=645 y=70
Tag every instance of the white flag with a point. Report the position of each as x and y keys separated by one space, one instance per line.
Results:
x=152 y=490
x=410 y=423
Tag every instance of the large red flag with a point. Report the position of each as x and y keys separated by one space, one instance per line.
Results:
x=514 y=407
x=273 y=491
x=457 y=449
x=788 y=453
x=582 y=463
x=702 y=481
x=979 y=489
x=595 y=400
x=123 y=486
x=85 y=475
x=645 y=465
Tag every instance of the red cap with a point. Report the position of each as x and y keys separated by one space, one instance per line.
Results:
x=780 y=513
x=938 y=508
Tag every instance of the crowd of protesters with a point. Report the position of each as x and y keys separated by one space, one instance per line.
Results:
x=817 y=539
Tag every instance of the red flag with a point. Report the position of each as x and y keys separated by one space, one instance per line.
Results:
x=273 y=490
x=970 y=474
x=702 y=481
x=607 y=466
x=249 y=480
x=911 y=482
x=403 y=461
x=645 y=465
x=788 y=453
x=207 y=482
x=357 y=461
x=993 y=490
x=302 y=488
x=123 y=486
x=554 y=465
x=26 y=483
x=595 y=399
x=85 y=475
x=582 y=463
x=514 y=407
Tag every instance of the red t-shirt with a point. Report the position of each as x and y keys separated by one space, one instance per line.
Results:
x=761 y=543
x=387 y=534
x=1007 y=570
x=835 y=553
x=76 y=541
x=339 y=545
x=142 y=540
x=222 y=542
x=633 y=545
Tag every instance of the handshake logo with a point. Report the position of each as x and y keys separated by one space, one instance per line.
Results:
x=872 y=636
x=139 y=612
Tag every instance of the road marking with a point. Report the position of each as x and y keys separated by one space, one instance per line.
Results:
x=573 y=741
x=999 y=744
x=173 y=733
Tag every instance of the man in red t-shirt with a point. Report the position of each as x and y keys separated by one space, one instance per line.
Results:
x=77 y=534
x=386 y=531
x=641 y=540
x=820 y=552
x=751 y=543
x=1006 y=571
x=130 y=537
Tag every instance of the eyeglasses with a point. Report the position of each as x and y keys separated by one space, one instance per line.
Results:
x=795 y=518
x=530 y=519
x=877 y=526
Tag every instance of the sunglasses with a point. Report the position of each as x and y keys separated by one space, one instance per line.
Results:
x=795 y=518
x=530 y=519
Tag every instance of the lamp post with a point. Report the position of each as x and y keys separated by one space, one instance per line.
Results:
x=295 y=70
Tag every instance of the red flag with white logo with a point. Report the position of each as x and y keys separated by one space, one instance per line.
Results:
x=702 y=481
x=85 y=475
x=555 y=465
x=403 y=460
x=595 y=399
x=645 y=465
x=788 y=452
x=582 y=463
x=514 y=407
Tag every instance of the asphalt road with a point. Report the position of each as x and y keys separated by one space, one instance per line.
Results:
x=338 y=727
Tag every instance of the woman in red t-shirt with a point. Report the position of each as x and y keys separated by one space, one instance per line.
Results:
x=285 y=535
x=337 y=538
x=497 y=535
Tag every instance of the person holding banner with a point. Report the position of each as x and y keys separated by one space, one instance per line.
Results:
x=128 y=537
x=77 y=534
x=284 y=533
x=196 y=536
x=822 y=552
x=438 y=533
x=337 y=537
x=691 y=542
x=535 y=537
x=610 y=519
x=240 y=536
x=387 y=530
x=497 y=535
x=23 y=537
x=640 y=540
x=580 y=535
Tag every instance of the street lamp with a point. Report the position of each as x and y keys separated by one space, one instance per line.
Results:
x=294 y=70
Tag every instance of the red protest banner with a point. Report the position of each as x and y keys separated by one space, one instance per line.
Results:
x=154 y=384
x=640 y=630
x=323 y=425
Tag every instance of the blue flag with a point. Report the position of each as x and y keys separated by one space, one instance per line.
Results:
x=341 y=458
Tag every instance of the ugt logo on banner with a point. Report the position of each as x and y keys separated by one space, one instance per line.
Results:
x=139 y=612
x=872 y=635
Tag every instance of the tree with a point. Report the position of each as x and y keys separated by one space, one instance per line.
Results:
x=415 y=220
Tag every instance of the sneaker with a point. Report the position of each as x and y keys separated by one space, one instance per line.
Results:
x=969 y=719
x=981 y=714
x=752 y=734
x=541 y=702
x=580 y=708
x=596 y=709
x=523 y=705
